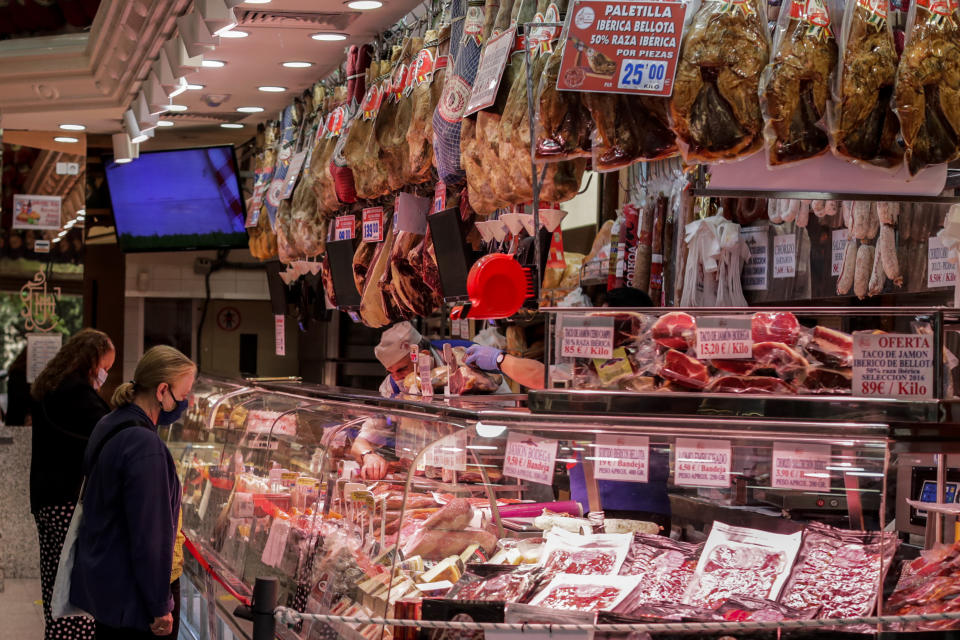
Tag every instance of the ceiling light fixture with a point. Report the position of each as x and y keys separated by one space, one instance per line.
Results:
x=196 y=87
x=231 y=125
x=73 y=127
x=57 y=239
x=122 y=148
x=257 y=1
x=217 y=14
x=213 y=64
x=133 y=129
x=295 y=64
x=146 y=117
x=172 y=84
x=364 y=5
x=179 y=108
x=232 y=33
x=195 y=33
x=165 y=123
x=181 y=62
x=329 y=36
x=66 y=139
x=269 y=89
x=249 y=109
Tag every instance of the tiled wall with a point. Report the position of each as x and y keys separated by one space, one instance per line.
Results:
x=171 y=275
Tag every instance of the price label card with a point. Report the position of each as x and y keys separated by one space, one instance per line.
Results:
x=439 y=197
x=893 y=365
x=785 y=255
x=293 y=173
x=41 y=246
x=754 y=277
x=621 y=458
x=493 y=60
x=701 y=463
x=373 y=224
x=838 y=247
x=622 y=47
x=344 y=226
x=529 y=457
x=41 y=348
x=800 y=466
x=727 y=338
x=940 y=271
x=279 y=335
x=587 y=338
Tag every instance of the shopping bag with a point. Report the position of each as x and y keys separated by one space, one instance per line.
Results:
x=60 y=606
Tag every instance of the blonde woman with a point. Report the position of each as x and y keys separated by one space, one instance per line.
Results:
x=131 y=504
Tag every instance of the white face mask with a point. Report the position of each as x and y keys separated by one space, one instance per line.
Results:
x=101 y=377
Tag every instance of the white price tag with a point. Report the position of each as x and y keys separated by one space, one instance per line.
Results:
x=727 y=338
x=702 y=463
x=893 y=365
x=754 y=276
x=785 y=255
x=344 y=226
x=587 y=338
x=800 y=466
x=529 y=457
x=279 y=335
x=373 y=224
x=643 y=75
x=621 y=458
x=838 y=247
x=940 y=271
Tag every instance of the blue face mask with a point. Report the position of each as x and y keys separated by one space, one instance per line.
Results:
x=169 y=417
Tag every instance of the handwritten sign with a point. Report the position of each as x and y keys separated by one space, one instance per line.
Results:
x=530 y=457
x=838 y=246
x=893 y=365
x=622 y=47
x=587 y=338
x=702 y=463
x=940 y=271
x=343 y=226
x=279 y=335
x=373 y=224
x=728 y=338
x=493 y=60
x=754 y=276
x=622 y=458
x=41 y=347
x=36 y=212
x=800 y=466
x=785 y=256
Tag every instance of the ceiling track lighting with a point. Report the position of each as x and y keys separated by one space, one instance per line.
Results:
x=217 y=15
x=146 y=119
x=122 y=148
x=172 y=84
x=156 y=97
x=196 y=35
x=181 y=62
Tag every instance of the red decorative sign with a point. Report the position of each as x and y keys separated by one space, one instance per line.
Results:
x=622 y=47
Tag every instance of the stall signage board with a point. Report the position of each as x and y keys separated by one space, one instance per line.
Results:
x=622 y=458
x=587 y=338
x=493 y=60
x=800 y=466
x=373 y=224
x=622 y=47
x=702 y=463
x=344 y=227
x=785 y=256
x=530 y=458
x=36 y=212
x=893 y=365
x=726 y=337
x=755 y=270
x=837 y=249
x=940 y=271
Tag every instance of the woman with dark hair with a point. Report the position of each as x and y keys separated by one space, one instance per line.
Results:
x=66 y=408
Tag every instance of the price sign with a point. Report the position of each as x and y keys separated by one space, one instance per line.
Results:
x=725 y=338
x=439 y=197
x=800 y=466
x=293 y=173
x=279 y=335
x=837 y=249
x=373 y=224
x=587 y=338
x=702 y=463
x=755 y=270
x=493 y=60
x=530 y=457
x=940 y=271
x=893 y=365
x=622 y=458
x=344 y=226
x=785 y=256
x=622 y=47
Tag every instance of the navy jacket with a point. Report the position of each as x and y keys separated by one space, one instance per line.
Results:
x=124 y=552
x=628 y=496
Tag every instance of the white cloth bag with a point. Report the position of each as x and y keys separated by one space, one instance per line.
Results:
x=60 y=606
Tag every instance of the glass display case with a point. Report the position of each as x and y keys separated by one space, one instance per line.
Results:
x=363 y=506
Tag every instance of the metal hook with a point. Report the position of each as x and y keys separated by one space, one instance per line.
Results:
x=586 y=186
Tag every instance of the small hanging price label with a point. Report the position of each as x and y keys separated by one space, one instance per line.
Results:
x=344 y=227
x=373 y=224
x=439 y=197
x=279 y=335
x=293 y=173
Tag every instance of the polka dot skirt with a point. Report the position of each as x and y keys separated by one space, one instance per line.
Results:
x=52 y=524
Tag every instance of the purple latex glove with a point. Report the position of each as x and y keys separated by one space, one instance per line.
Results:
x=483 y=357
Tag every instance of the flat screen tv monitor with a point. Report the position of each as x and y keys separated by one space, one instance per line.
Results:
x=178 y=200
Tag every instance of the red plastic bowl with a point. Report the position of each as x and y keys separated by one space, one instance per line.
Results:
x=497 y=286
